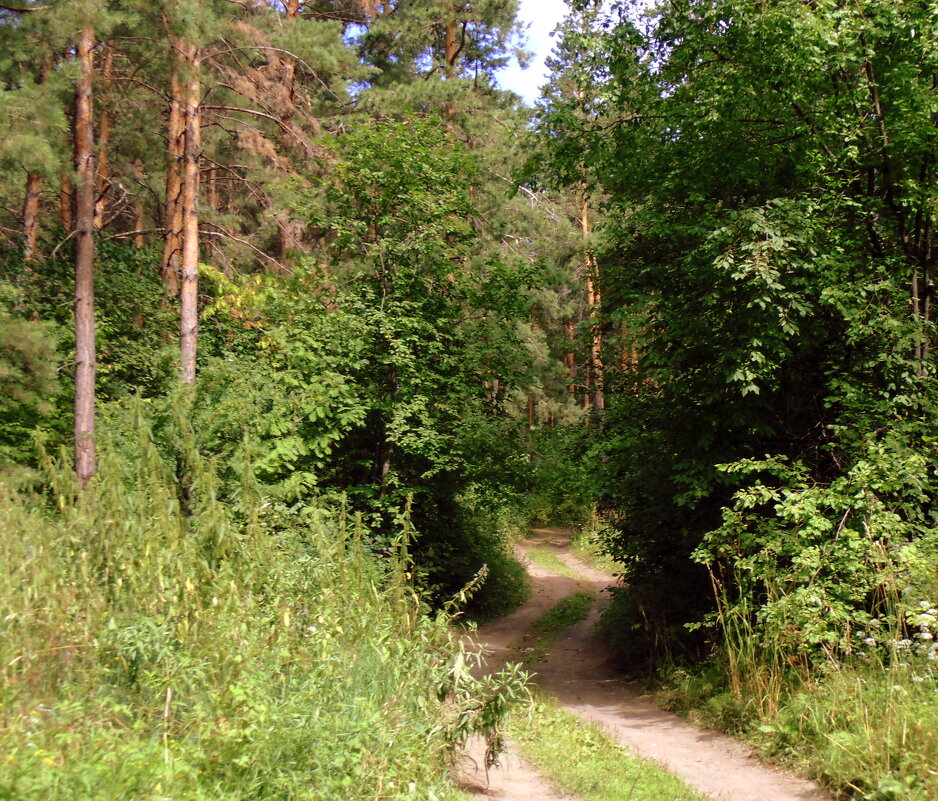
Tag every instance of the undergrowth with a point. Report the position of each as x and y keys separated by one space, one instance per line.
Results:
x=156 y=644
x=867 y=728
x=587 y=543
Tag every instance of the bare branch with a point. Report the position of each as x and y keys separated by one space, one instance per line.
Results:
x=221 y=232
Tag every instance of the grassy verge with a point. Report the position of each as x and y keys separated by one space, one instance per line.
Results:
x=868 y=730
x=586 y=544
x=219 y=651
x=548 y=559
x=548 y=626
x=578 y=758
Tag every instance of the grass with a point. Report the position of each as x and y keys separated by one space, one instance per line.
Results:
x=867 y=729
x=548 y=627
x=586 y=545
x=548 y=559
x=577 y=758
x=223 y=651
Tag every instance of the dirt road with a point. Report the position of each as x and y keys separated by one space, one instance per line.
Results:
x=580 y=674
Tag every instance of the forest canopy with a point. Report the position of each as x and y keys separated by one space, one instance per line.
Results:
x=291 y=282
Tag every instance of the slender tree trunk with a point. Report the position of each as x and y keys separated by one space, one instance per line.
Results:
x=570 y=361
x=212 y=196
x=451 y=54
x=593 y=301
x=530 y=412
x=139 y=223
x=33 y=190
x=172 y=212
x=189 y=292
x=292 y=8
x=31 y=215
x=85 y=461
x=65 y=201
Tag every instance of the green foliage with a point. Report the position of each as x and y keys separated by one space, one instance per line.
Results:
x=754 y=262
x=28 y=379
x=214 y=653
x=814 y=564
x=866 y=727
x=587 y=541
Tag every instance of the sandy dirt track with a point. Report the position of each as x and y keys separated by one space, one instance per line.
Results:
x=579 y=673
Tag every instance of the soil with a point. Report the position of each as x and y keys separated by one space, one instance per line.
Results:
x=579 y=672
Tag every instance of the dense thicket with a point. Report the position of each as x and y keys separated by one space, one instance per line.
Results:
x=767 y=459
x=264 y=279
x=308 y=205
x=295 y=235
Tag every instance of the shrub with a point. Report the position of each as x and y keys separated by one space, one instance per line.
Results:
x=153 y=652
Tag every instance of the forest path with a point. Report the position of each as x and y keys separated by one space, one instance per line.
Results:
x=580 y=674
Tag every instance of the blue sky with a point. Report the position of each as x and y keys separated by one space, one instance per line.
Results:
x=543 y=16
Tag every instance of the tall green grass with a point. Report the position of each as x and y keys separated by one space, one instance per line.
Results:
x=864 y=721
x=156 y=643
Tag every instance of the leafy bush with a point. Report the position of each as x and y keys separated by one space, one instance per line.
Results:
x=28 y=381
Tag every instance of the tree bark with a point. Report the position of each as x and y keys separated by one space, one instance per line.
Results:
x=189 y=291
x=31 y=215
x=85 y=460
x=172 y=213
x=292 y=8
x=569 y=360
x=593 y=300
x=451 y=54
x=139 y=224
x=33 y=191
x=65 y=201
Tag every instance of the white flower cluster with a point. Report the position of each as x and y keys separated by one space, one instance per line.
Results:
x=921 y=623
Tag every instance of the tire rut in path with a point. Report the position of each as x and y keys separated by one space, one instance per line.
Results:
x=580 y=674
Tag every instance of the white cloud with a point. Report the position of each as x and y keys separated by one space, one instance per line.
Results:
x=543 y=16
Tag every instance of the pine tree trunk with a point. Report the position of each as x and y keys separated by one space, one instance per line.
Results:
x=212 y=198
x=31 y=215
x=103 y=182
x=189 y=292
x=570 y=361
x=451 y=53
x=65 y=201
x=85 y=461
x=139 y=223
x=593 y=301
x=292 y=7
x=172 y=214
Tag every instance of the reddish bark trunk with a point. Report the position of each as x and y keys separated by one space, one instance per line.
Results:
x=139 y=223
x=570 y=361
x=85 y=460
x=593 y=300
x=451 y=54
x=172 y=213
x=31 y=215
x=189 y=291
x=65 y=201
x=33 y=191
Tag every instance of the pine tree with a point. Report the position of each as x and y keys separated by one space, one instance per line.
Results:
x=85 y=460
